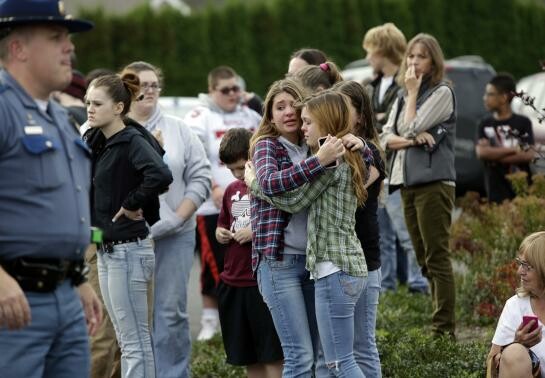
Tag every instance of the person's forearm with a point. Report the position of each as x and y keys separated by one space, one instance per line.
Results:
x=519 y=158
x=186 y=209
x=396 y=142
x=494 y=153
x=410 y=108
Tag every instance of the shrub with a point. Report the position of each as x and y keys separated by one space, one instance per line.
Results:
x=485 y=240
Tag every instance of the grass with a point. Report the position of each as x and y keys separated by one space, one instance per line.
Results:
x=406 y=345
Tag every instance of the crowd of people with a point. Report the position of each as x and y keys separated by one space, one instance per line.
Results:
x=297 y=205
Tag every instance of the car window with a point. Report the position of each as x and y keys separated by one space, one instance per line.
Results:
x=469 y=85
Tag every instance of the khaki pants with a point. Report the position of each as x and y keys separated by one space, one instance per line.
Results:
x=105 y=352
x=428 y=215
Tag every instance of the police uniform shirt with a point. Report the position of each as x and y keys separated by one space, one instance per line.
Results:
x=45 y=178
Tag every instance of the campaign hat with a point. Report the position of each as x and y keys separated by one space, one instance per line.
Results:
x=15 y=13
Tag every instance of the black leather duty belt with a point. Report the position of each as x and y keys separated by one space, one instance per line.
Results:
x=44 y=275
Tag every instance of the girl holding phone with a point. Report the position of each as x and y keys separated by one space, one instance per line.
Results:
x=334 y=256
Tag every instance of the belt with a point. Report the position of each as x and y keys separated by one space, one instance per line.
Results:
x=44 y=275
x=108 y=245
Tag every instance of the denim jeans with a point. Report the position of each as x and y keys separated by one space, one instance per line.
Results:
x=392 y=225
x=288 y=291
x=54 y=344
x=171 y=337
x=124 y=275
x=336 y=296
x=365 y=321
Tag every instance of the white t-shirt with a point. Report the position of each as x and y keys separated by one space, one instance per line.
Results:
x=511 y=318
x=385 y=83
x=209 y=126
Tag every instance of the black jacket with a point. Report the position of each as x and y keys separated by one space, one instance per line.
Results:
x=127 y=171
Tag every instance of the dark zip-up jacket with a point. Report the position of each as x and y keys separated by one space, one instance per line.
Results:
x=127 y=171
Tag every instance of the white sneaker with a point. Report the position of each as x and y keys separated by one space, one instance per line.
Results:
x=210 y=326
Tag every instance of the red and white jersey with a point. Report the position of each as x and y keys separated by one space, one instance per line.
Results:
x=210 y=123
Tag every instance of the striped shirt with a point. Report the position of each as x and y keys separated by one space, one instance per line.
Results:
x=436 y=109
x=331 y=221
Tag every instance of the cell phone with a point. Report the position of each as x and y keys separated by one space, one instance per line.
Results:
x=527 y=319
x=336 y=162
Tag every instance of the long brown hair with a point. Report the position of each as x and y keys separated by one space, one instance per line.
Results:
x=365 y=127
x=266 y=128
x=331 y=113
x=434 y=51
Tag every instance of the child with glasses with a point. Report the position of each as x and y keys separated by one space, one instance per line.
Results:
x=517 y=347
x=220 y=111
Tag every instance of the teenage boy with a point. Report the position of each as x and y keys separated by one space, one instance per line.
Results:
x=504 y=140
x=248 y=332
x=220 y=111
x=385 y=46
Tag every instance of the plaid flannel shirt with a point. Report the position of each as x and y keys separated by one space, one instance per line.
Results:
x=275 y=174
x=331 y=220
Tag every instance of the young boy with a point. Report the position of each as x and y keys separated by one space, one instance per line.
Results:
x=503 y=140
x=247 y=328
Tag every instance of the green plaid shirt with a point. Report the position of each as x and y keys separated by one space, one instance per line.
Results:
x=331 y=221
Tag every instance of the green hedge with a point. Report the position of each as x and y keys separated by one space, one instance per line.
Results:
x=257 y=37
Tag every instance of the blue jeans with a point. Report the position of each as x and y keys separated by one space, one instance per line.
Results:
x=336 y=296
x=365 y=321
x=171 y=337
x=124 y=275
x=55 y=344
x=392 y=225
x=288 y=291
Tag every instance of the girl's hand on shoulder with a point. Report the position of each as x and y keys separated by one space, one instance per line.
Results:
x=330 y=151
x=352 y=142
x=249 y=173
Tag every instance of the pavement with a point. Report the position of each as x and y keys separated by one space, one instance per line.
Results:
x=194 y=301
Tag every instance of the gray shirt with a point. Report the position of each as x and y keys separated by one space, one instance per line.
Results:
x=295 y=234
x=45 y=176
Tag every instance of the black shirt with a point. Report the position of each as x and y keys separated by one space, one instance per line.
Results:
x=512 y=132
x=366 y=216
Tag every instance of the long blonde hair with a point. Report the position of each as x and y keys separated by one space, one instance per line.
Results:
x=533 y=249
x=331 y=112
x=266 y=128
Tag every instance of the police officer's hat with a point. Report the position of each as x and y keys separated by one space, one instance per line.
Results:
x=25 y=12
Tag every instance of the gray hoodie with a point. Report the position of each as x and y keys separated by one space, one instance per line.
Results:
x=186 y=158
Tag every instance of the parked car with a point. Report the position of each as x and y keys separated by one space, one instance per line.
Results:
x=469 y=76
x=178 y=106
x=534 y=86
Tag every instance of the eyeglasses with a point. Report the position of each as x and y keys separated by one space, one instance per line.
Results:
x=226 y=90
x=523 y=264
x=153 y=86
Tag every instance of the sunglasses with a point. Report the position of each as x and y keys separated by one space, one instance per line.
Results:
x=226 y=90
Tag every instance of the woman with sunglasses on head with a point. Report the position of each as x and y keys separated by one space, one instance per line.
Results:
x=421 y=131
x=128 y=175
x=517 y=347
x=305 y=57
x=367 y=229
x=174 y=233
x=319 y=77
x=220 y=110
x=334 y=255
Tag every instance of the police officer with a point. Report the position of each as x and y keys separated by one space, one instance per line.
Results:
x=44 y=199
